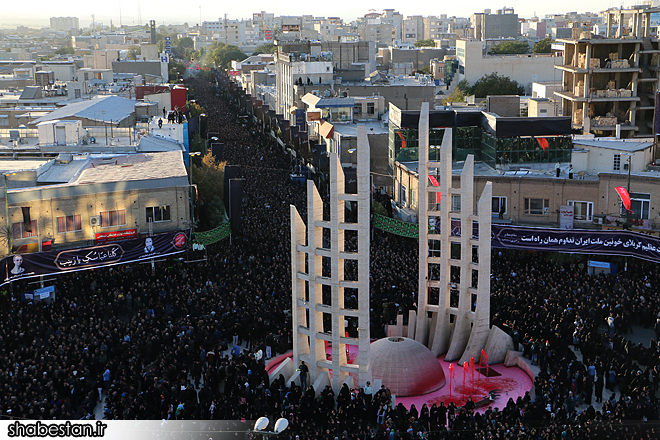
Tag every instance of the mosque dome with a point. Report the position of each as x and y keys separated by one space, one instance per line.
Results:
x=405 y=366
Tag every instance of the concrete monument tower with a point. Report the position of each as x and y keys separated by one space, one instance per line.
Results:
x=454 y=279
x=327 y=264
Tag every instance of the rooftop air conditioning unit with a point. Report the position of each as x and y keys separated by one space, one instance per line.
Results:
x=94 y=221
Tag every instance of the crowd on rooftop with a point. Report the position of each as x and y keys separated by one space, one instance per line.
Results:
x=190 y=341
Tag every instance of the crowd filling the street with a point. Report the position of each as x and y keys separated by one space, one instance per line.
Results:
x=191 y=340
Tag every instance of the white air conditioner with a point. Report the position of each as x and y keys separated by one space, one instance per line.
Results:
x=94 y=221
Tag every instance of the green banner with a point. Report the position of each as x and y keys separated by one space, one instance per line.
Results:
x=397 y=227
x=213 y=236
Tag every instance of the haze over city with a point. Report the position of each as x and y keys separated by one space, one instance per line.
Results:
x=168 y=11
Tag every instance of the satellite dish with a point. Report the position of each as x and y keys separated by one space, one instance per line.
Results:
x=261 y=423
x=281 y=425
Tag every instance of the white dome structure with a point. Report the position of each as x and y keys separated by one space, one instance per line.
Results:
x=405 y=366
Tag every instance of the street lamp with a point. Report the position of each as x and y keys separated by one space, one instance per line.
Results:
x=192 y=201
x=262 y=423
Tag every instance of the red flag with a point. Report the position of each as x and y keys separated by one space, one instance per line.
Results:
x=435 y=182
x=403 y=141
x=543 y=142
x=625 y=197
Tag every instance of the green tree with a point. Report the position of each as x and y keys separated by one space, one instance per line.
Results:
x=265 y=48
x=65 y=51
x=174 y=68
x=464 y=87
x=223 y=54
x=425 y=43
x=494 y=84
x=510 y=47
x=133 y=52
x=457 y=95
x=185 y=43
x=209 y=178
x=543 y=46
x=426 y=70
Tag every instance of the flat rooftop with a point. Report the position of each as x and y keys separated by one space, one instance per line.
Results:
x=350 y=130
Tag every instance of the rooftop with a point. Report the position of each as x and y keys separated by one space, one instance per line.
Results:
x=143 y=166
x=109 y=108
x=629 y=145
x=350 y=130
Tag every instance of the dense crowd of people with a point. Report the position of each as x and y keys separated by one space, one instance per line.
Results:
x=190 y=341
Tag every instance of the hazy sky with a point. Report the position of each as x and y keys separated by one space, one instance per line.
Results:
x=37 y=12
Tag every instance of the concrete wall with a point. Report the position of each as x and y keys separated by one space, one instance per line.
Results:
x=403 y=96
x=525 y=69
x=505 y=106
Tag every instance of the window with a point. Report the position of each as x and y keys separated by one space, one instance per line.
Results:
x=498 y=206
x=455 y=202
x=18 y=230
x=357 y=109
x=616 y=166
x=640 y=205
x=113 y=218
x=371 y=108
x=537 y=206
x=69 y=223
x=583 y=211
x=413 y=198
x=402 y=194
x=158 y=214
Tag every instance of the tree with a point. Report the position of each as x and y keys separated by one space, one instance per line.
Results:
x=174 y=68
x=185 y=43
x=543 y=46
x=133 y=52
x=65 y=51
x=425 y=43
x=510 y=47
x=265 y=48
x=209 y=178
x=456 y=96
x=223 y=54
x=426 y=70
x=494 y=84
x=464 y=87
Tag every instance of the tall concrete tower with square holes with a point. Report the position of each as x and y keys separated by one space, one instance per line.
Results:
x=330 y=278
x=453 y=314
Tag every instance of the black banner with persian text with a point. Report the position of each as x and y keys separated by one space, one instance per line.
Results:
x=625 y=243
x=20 y=266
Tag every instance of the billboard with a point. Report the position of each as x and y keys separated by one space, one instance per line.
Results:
x=17 y=267
x=104 y=237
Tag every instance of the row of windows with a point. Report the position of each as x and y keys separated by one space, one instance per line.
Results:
x=582 y=210
x=107 y=219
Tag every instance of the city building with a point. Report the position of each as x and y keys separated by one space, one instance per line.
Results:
x=610 y=82
x=474 y=63
x=78 y=200
x=64 y=23
x=503 y=24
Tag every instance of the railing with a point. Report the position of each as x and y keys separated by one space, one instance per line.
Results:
x=23 y=132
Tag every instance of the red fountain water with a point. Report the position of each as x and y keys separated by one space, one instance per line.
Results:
x=465 y=367
x=472 y=372
x=451 y=378
x=483 y=361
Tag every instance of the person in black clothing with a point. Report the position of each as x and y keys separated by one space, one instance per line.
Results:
x=303 y=374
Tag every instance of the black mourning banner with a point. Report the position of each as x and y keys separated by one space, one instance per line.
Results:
x=27 y=221
x=36 y=264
